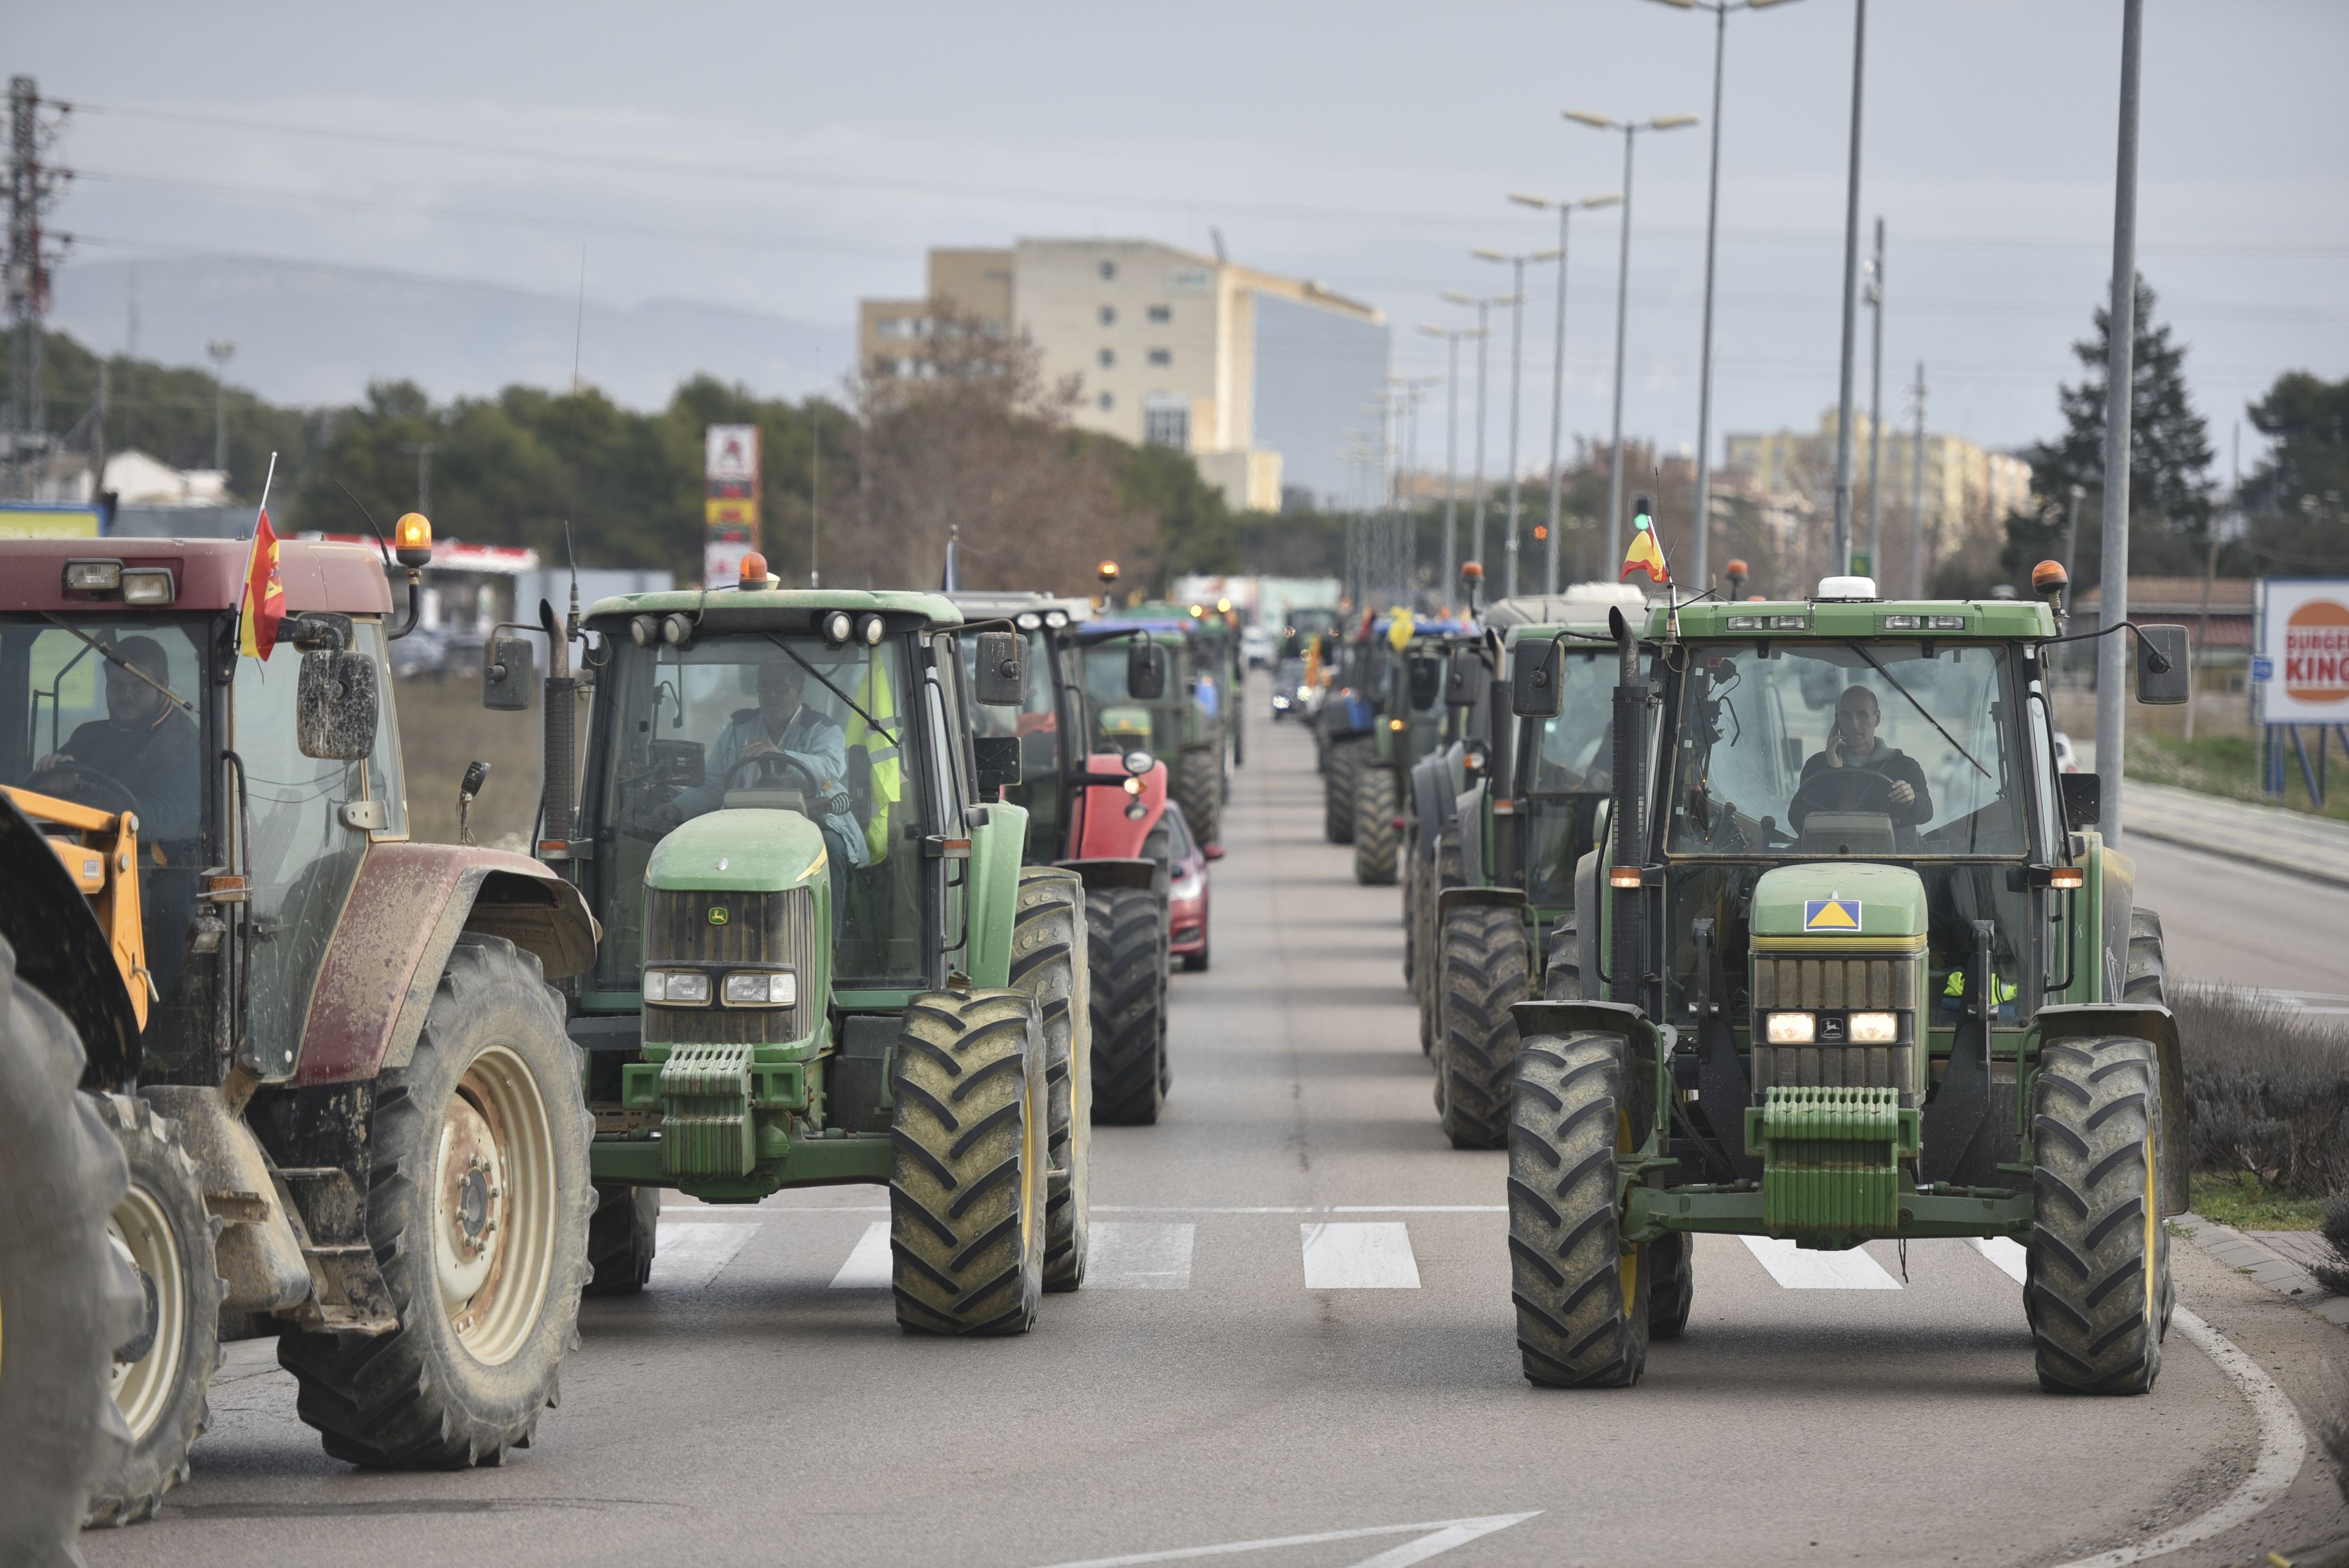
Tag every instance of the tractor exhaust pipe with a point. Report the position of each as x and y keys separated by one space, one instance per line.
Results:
x=1624 y=865
x=561 y=760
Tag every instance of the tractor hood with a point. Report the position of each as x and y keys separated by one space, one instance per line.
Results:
x=740 y=851
x=1844 y=899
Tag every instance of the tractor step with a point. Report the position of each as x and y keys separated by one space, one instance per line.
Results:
x=347 y=1294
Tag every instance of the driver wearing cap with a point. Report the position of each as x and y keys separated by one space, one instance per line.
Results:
x=1852 y=743
x=784 y=726
x=147 y=744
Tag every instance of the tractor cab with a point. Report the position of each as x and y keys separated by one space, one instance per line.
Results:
x=1182 y=714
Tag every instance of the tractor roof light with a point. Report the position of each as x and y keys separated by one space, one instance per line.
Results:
x=644 y=630
x=1056 y=619
x=837 y=629
x=871 y=630
x=753 y=572
x=412 y=539
x=93 y=576
x=676 y=629
x=1029 y=621
x=148 y=585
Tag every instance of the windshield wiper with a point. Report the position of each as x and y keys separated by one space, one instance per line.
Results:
x=878 y=727
x=111 y=657
x=1919 y=707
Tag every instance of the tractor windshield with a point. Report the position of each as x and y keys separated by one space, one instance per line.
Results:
x=1868 y=749
x=1036 y=725
x=1122 y=723
x=1572 y=770
x=770 y=721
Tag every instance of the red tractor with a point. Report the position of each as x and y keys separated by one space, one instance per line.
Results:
x=1102 y=814
x=330 y=1055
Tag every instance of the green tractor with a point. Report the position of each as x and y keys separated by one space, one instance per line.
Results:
x=1523 y=812
x=823 y=961
x=1187 y=722
x=1403 y=690
x=1864 y=970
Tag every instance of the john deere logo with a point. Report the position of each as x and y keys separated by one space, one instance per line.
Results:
x=717 y=914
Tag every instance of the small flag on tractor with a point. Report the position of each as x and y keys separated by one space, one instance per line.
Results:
x=1646 y=553
x=264 y=590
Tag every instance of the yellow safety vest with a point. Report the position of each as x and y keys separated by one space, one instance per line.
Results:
x=878 y=697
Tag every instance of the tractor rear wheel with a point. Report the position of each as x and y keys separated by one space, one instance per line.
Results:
x=969 y=1182
x=1583 y=1296
x=2097 y=1286
x=2148 y=971
x=1375 y=804
x=1347 y=758
x=1428 y=980
x=1562 y=975
x=1048 y=960
x=66 y=1299
x=1413 y=857
x=1672 y=1286
x=1483 y=972
x=163 y=1229
x=1199 y=790
x=622 y=1238
x=478 y=1207
x=1126 y=944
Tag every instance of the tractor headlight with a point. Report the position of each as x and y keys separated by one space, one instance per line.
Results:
x=1875 y=1028
x=837 y=628
x=1792 y=1029
x=762 y=988
x=678 y=987
x=147 y=585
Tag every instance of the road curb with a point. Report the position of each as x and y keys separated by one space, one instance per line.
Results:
x=2186 y=840
x=2263 y=1264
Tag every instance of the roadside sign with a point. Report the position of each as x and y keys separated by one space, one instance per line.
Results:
x=2302 y=662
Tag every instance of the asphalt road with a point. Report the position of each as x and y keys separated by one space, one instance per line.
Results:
x=1300 y=1326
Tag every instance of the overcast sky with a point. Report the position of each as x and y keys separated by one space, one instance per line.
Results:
x=789 y=158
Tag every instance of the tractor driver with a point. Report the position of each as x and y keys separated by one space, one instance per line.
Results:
x=784 y=727
x=1852 y=743
x=141 y=757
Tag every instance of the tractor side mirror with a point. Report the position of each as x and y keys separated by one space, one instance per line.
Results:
x=2083 y=798
x=996 y=759
x=507 y=674
x=2162 y=677
x=337 y=706
x=1427 y=673
x=999 y=683
x=1145 y=671
x=1534 y=669
x=1464 y=674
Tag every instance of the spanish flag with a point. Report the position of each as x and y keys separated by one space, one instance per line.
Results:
x=264 y=594
x=1645 y=554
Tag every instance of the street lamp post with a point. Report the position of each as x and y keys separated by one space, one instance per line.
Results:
x=1477 y=476
x=1842 y=562
x=220 y=350
x=1517 y=378
x=1876 y=403
x=1631 y=130
x=1557 y=364
x=1700 y=526
x=1451 y=336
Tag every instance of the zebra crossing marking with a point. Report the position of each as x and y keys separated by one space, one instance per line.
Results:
x=1375 y=1255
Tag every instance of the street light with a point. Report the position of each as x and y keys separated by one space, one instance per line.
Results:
x=1451 y=336
x=1703 y=525
x=1565 y=210
x=1484 y=305
x=220 y=350
x=1842 y=562
x=1631 y=130
x=1517 y=377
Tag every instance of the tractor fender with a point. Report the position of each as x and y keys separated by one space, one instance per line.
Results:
x=1105 y=872
x=63 y=953
x=401 y=922
x=1580 y=1018
x=1587 y=914
x=2143 y=1021
x=998 y=835
x=1454 y=898
x=1104 y=830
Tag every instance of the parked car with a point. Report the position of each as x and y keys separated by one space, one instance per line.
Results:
x=1257 y=644
x=1288 y=688
x=1187 y=892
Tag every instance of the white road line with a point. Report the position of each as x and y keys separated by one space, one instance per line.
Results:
x=869 y=1265
x=1797 y=1269
x=1131 y=1256
x=688 y=1256
x=1443 y=1534
x=2283 y=1443
x=2010 y=1255
x=1375 y=1256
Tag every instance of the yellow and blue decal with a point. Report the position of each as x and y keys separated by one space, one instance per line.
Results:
x=1831 y=914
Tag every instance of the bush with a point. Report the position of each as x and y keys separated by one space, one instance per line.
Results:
x=2268 y=1090
x=2332 y=1273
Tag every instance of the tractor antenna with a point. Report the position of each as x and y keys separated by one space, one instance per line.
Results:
x=379 y=544
x=571 y=626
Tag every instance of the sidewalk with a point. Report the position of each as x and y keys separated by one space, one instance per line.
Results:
x=2270 y=836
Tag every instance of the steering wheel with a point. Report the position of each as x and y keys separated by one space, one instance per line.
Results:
x=85 y=786
x=771 y=765
x=1841 y=790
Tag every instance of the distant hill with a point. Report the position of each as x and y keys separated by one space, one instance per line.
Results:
x=316 y=335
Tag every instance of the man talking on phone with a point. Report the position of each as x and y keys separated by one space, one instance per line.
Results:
x=1852 y=743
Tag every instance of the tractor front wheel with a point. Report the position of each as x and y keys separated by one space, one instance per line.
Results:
x=478 y=1207
x=1199 y=790
x=1376 y=801
x=1428 y=978
x=622 y=1239
x=1048 y=962
x=1672 y=1286
x=1347 y=760
x=1483 y=972
x=1583 y=1295
x=968 y=1181
x=1126 y=960
x=2096 y=1286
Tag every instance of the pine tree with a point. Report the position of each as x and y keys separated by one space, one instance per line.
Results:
x=2170 y=461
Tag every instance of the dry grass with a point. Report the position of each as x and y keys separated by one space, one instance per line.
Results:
x=442 y=727
x=2268 y=1090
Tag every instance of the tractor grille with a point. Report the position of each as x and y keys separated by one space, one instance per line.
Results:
x=761 y=928
x=1833 y=982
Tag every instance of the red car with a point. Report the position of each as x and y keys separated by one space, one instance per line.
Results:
x=1186 y=914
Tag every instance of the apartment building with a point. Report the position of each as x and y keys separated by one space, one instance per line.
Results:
x=1963 y=483
x=1264 y=381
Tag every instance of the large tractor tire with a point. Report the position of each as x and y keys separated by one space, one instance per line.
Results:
x=1413 y=859
x=162 y=1229
x=2098 y=1288
x=1427 y=979
x=969 y=1180
x=1483 y=972
x=2148 y=971
x=478 y=1206
x=67 y=1298
x=1583 y=1296
x=1199 y=790
x=1671 y=1285
x=1126 y=964
x=1049 y=960
x=622 y=1239
x=1377 y=800
x=1347 y=760
x=1562 y=975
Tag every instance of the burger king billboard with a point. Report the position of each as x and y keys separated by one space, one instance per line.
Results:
x=2302 y=665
